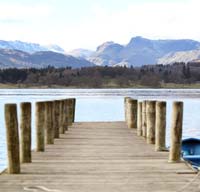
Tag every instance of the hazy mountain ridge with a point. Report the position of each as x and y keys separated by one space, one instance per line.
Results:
x=106 y=54
x=19 y=59
x=84 y=53
x=181 y=56
x=54 y=48
x=29 y=47
x=141 y=51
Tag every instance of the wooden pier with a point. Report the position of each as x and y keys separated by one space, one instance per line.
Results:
x=101 y=157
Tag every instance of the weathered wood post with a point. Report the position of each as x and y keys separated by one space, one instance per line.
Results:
x=151 y=121
x=12 y=136
x=25 y=130
x=70 y=111
x=49 y=132
x=40 y=126
x=126 y=108
x=139 y=119
x=56 y=108
x=176 y=132
x=65 y=114
x=52 y=113
x=160 y=126
x=61 y=117
x=132 y=113
x=144 y=119
x=127 y=112
x=74 y=109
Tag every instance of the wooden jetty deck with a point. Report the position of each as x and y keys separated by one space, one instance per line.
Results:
x=100 y=157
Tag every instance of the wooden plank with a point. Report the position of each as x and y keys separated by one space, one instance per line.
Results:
x=100 y=156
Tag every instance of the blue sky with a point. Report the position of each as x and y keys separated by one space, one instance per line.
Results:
x=88 y=23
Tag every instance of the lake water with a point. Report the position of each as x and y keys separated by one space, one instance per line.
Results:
x=103 y=105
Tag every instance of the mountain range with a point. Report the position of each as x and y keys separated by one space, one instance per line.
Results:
x=139 y=51
x=20 y=59
x=82 y=53
x=29 y=47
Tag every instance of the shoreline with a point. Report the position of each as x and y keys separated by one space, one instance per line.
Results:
x=54 y=86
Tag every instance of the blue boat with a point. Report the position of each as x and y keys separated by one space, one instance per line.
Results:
x=191 y=151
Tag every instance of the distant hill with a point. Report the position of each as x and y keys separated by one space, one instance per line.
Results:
x=84 y=53
x=29 y=47
x=141 y=51
x=138 y=52
x=181 y=56
x=54 y=48
x=19 y=59
x=107 y=54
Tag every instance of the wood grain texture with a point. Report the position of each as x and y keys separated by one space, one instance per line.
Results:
x=139 y=119
x=132 y=113
x=39 y=126
x=160 y=144
x=49 y=131
x=25 y=132
x=100 y=157
x=12 y=138
x=176 y=132
x=151 y=120
x=144 y=119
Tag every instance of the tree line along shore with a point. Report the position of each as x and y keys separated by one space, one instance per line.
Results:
x=177 y=75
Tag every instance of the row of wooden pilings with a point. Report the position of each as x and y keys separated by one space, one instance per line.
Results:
x=149 y=117
x=52 y=118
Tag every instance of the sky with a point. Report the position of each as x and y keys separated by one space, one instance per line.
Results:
x=86 y=24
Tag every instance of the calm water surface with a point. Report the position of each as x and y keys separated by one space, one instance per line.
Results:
x=103 y=105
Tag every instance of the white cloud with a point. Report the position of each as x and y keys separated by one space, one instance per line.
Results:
x=24 y=22
x=44 y=24
x=21 y=12
x=152 y=20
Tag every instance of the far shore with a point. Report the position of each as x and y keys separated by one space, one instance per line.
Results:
x=113 y=86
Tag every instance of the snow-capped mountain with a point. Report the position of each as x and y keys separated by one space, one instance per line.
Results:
x=84 y=53
x=18 y=59
x=141 y=51
x=54 y=48
x=29 y=47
